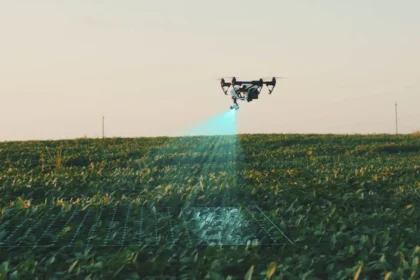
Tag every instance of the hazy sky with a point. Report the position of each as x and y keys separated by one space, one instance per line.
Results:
x=152 y=66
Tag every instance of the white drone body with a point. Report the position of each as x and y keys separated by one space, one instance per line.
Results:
x=246 y=90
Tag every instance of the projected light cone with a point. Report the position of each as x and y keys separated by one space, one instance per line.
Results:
x=224 y=124
x=206 y=162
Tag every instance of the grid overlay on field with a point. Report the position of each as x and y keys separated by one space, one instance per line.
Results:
x=135 y=225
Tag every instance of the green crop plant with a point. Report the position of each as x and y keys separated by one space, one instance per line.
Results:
x=322 y=207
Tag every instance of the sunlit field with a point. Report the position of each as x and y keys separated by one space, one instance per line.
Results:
x=213 y=207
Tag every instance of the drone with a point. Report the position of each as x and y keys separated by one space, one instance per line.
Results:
x=246 y=90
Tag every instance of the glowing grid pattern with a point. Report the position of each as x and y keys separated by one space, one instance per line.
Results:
x=131 y=225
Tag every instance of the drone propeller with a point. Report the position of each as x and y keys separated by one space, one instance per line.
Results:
x=226 y=78
x=265 y=78
x=233 y=79
x=271 y=84
x=225 y=85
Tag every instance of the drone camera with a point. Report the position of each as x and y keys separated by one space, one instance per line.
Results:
x=234 y=107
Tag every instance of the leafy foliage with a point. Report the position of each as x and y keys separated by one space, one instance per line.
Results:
x=349 y=204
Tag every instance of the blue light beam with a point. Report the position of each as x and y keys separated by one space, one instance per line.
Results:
x=224 y=124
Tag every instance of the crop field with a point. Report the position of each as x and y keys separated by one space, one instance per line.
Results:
x=214 y=207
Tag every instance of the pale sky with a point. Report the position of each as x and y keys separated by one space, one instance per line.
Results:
x=151 y=67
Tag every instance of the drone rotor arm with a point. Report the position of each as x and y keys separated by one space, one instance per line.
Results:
x=270 y=90
x=268 y=84
x=225 y=87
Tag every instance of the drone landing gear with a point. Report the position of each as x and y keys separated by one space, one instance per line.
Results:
x=235 y=104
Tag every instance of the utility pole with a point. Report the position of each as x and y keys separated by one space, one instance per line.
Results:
x=103 y=127
x=396 y=119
